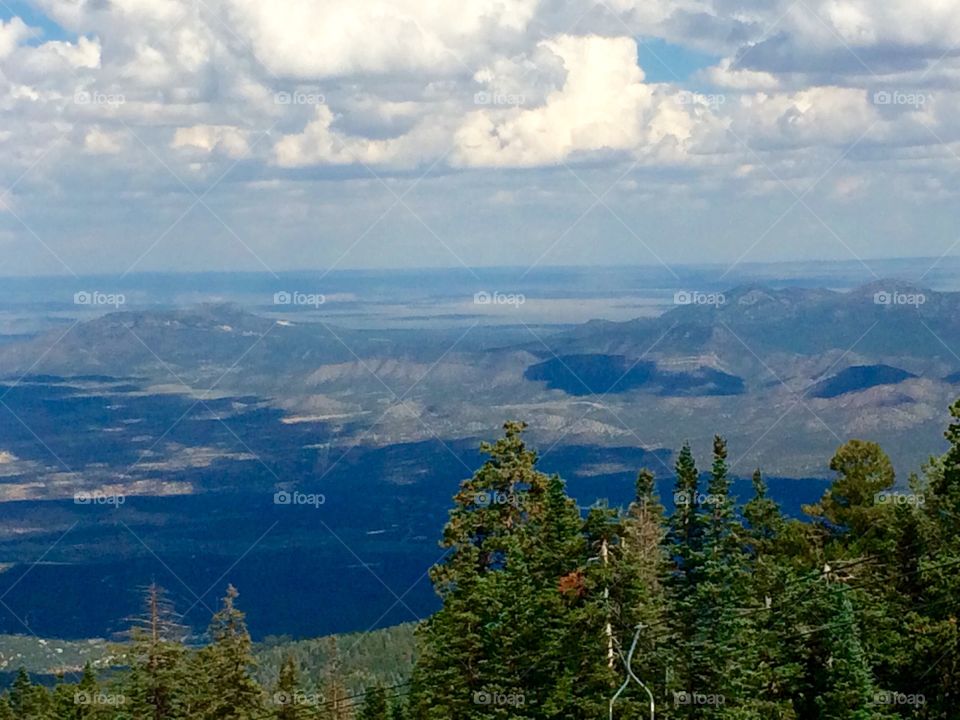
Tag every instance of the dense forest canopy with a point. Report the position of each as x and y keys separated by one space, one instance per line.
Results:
x=721 y=609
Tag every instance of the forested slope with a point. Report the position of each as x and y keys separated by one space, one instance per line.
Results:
x=731 y=610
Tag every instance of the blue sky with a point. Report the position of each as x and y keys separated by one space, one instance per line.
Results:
x=665 y=62
x=35 y=18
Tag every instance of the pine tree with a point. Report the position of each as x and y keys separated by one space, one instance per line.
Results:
x=686 y=528
x=374 y=705
x=289 y=700
x=937 y=645
x=227 y=690
x=765 y=522
x=725 y=655
x=643 y=565
x=776 y=676
x=20 y=693
x=511 y=587
x=566 y=607
x=585 y=636
x=397 y=710
x=640 y=572
x=849 y=512
x=336 y=705
x=450 y=668
x=847 y=690
x=946 y=483
x=156 y=656
x=29 y=701
x=867 y=534
x=86 y=700
x=685 y=547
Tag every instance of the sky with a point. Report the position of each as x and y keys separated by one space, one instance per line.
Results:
x=191 y=135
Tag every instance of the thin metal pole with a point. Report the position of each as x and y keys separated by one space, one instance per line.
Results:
x=605 y=555
x=631 y=674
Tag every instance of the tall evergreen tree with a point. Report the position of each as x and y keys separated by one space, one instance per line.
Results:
x=397 y=710
x=86 y=700
x=685 y=547
x=227 y=688
x=776 y=676
x=938 y=645
x=847 y=690
x=374 y=705
x=336 y=705
x=725 y=655
x=510 y=584
x=849 y=512
x=640 y=572
x=156 y=656
x=29 y=701
x=289 y=701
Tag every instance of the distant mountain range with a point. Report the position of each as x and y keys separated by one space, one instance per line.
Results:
x=910 y=321
x=755 y=362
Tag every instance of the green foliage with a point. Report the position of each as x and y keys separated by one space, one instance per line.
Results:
x=849 y=512
x=739 y=613
x=515 y=582
x=383 y=657
x=155 y=656
x=289 y=700
x=223 y=669
x=374 y=705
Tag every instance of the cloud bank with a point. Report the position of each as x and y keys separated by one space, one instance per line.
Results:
x=299 y=126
